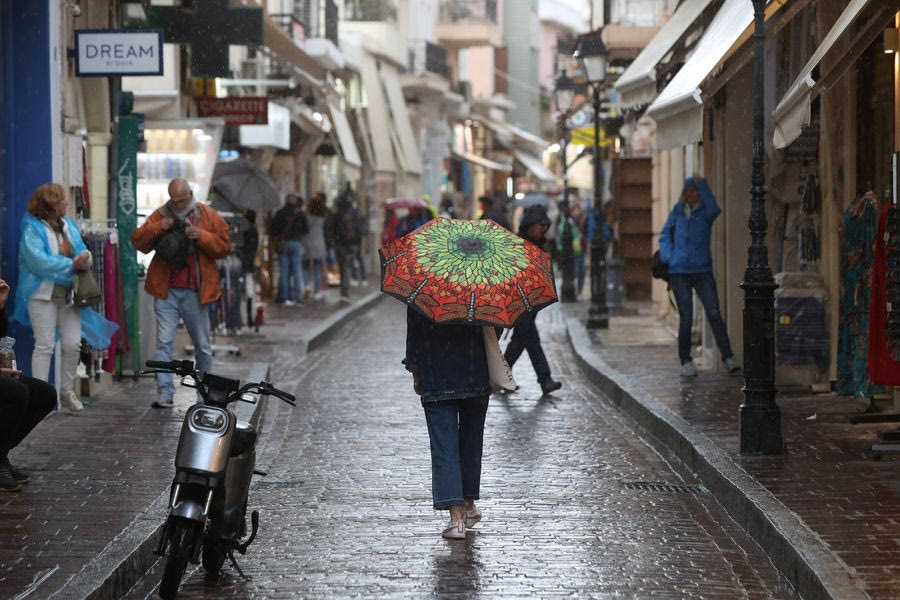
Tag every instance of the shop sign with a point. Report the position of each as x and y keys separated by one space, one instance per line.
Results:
x=236 y=111
x=118 y=52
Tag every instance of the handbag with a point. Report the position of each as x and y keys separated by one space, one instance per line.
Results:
x=500 y=374
x=86 y=292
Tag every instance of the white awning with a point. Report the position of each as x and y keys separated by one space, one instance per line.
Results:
x=528 y=137
x=535 y=165
x=412 y=160
x=793 y=112
x=482 y=162
x=637 y=85
x=344 y=135
x=377 y=116
x=678 y=111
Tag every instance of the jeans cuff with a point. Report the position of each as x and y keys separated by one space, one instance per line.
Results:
x=445 y=504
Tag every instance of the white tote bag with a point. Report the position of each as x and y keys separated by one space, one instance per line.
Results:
x=500 y=373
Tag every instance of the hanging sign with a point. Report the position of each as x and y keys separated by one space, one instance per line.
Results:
x=118 y=52
x=236 y=110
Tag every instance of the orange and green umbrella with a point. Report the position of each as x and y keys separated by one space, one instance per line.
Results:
x=470 y=272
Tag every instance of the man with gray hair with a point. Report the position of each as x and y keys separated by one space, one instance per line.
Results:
x=187 y=238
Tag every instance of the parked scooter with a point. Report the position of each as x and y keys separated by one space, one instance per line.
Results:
x=214 y=464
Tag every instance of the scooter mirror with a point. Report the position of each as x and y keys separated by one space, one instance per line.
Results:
x=248 y=398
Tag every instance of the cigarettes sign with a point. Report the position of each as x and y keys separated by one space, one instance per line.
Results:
x=118 y=52
x=239 y=110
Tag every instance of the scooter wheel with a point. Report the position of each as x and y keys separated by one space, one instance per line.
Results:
x=180 y=547
x=213 y=556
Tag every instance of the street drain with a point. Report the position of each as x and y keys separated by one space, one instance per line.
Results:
x=662 y=486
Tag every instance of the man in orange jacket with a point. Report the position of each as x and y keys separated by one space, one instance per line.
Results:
x=183 y=278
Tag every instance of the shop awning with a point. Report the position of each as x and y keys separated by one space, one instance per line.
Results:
x=637 y=85
x=528 y=137
x=678 y=111
x=482 y=162
x=345 y=136
x=535 y=165
x=412 y=159
x=281 y=44
x=793 y=112
x=377 y=116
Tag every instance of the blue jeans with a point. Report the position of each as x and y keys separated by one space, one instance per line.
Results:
x=705 y=285
x=525 y=336
x=456 y=431
x=290 y=267
x=181 y=304
x=315 y=268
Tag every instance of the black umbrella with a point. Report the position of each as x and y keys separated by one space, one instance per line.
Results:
x=244 y=186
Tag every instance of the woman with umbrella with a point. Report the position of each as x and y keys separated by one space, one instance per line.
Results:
x=460 y=280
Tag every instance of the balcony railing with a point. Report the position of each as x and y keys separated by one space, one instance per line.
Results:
x=370 y=10
x=292 y=26
x=319 y=18
x=468 y=12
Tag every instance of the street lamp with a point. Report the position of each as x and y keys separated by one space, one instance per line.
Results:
x=760 y=417
x=564 y=97
x=594 y=58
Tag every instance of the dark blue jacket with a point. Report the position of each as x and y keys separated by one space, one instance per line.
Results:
x=683 y=241
x=449 y=360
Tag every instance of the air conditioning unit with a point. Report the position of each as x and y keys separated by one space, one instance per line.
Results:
x=249 y=68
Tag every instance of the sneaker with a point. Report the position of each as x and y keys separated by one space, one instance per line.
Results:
x=472 y=517
x=732 y=365
x=688 y=369
x=289 y=303
x=8 y=483
x=456 y=530
x=70 y=402
x=17 y=474
x=346 y=299
x=321 y=295
x=550 y=386
x=164 y=402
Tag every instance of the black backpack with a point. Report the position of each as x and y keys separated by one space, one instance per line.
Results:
x=173 y=246
x=658 y=268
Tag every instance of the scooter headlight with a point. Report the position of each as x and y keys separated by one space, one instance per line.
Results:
x=209 y=419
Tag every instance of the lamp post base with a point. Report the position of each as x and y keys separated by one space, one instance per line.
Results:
x=598 y=318
x=760 y=429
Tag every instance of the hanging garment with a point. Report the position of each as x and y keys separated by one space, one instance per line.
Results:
x=860 y=228
x=883 y=368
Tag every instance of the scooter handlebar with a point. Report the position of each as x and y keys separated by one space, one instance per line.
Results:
x=268 y=388
x=181 y=367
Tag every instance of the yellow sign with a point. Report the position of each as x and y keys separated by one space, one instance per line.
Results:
x=585 y=137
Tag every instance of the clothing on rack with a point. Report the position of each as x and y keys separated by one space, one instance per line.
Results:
x=883 y=365
x=860 y=228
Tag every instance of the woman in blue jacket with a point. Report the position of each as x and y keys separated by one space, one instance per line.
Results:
x=684 y=246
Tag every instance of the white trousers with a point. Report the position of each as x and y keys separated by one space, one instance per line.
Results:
x=48 y=317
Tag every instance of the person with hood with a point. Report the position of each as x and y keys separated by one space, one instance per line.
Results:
x=525 y=336
x=450 y=374
x=51 y=253
x=185 y=281
x=490 y=210
x=345 y=234
x=684 y=246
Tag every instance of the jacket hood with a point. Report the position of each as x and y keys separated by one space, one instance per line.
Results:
x=533 y=214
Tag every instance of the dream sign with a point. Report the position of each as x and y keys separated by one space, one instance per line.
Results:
x=117 y=52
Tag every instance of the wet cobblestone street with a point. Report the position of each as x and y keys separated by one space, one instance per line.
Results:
x=346 y=507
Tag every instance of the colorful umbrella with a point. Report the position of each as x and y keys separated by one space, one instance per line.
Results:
x=471 y=272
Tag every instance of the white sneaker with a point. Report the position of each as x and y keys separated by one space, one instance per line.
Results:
x=472 y=517
x=688 y=369
x=732 y=365
x=289 y=303
x=456 y=530
x=69 y=401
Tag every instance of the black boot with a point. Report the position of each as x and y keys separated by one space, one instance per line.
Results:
x=548 y=386
x=7 y=482
x=17 y=474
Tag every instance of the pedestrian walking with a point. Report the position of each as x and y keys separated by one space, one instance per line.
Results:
x=577 y=223
x=533 y=227
x=315 y=247
x=684 y=247
x=249 y=248
x=183 y=278
x=51 y=254
x=450 y=374
x=491 y=210
x=412 y=221
x=345 y=234
x=24 y=402
x=286 y=231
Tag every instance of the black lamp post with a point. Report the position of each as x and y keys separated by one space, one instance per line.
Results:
x=564 y=96
x=594 y=58
x=760 y=417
